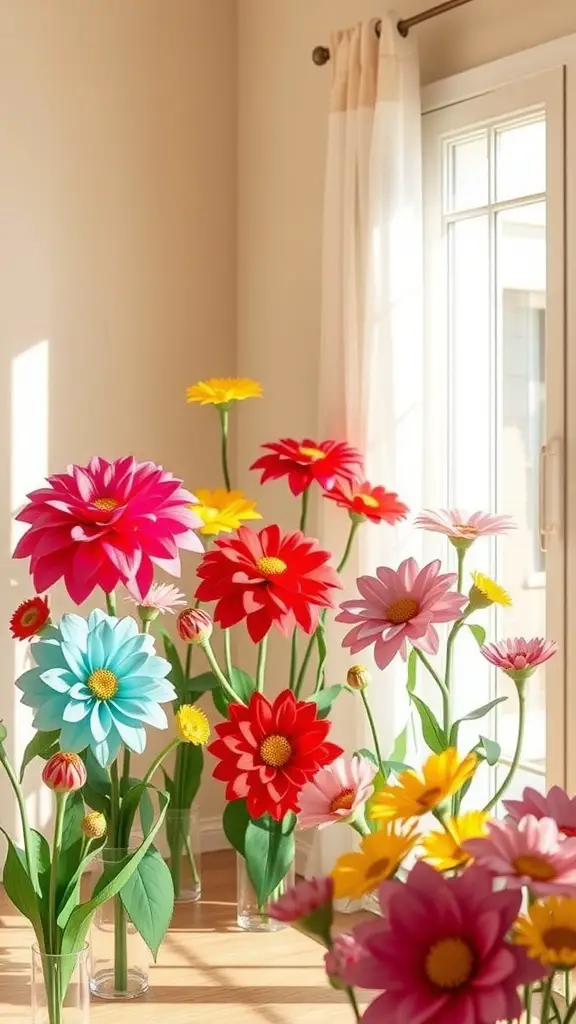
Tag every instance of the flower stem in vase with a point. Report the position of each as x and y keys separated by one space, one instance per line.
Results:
x=120 y=947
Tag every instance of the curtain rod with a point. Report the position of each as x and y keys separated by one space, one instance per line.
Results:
x=321 y=54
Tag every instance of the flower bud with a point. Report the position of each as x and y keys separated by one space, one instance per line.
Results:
x=94 y=825
x=194 y=626
x=64 y=773
x=358 y=677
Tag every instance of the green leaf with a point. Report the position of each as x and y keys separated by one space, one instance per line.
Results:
x=472 y=715
x=71 y=897
x=235 y=821
x=191 y=767
x=478 y=632
x=398 y=752
x=269 y=850
x=431 y=729
x=202 y=683
x=412 y=670
x=3 y=732
x=42 y=744
x=169 y=786
x=242 y=684
x=490 y=750
x=96 y=791
x=177 y=675
x=148 y=899
x=19 y=888
x=322 y=656
x=364 y=752
x=325 y=699
x=220 y=701
x=397 y=767
x=72 y=842
x=131 y=801
x=146 y=810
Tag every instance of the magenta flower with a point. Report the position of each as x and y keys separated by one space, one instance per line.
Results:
x=107 y=523
x=336 y=793
x=439 y=954
x=518 y=657
x=162 y=597
x=459 y=526
x=556 y=805
x=303 y=899
x=345 y=952
x=400 y=606
x=532 y=853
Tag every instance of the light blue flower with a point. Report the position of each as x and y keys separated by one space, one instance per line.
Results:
x=100 y=681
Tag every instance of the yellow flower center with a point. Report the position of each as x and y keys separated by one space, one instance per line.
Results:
x=105 y=504
x=560 y=938
x=449 y=963
x=369 y=500
x=379 y=869
x=29 y=617
x=403 y=610
x=470 y=531
x=314 y=454
x=103 y=683
x=271 y=566
x=342 y=802
x=430 y=797
x=275 y=751
x=537 y=868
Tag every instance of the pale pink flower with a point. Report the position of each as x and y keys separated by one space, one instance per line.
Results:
x=336 y=793
x=460 y=525
x=346 y=951
x=556 y=805
x=303 y=899
x=517 y=655
x=398 y=606
x=162 y=597
x=532 y=853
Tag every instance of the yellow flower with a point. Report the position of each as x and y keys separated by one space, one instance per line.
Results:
x=192 y=725
x=223 y=511
x=93 y=825
x=223 y=390
x=443 y=850
x=486 y=592
x=442 y=776
x=549 y=931
x=356 y=874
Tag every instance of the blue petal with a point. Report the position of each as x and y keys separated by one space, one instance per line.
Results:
x=29 y=679
x=77 y=710
x=107 y=639
x=157 y=667
x=130 y=666
x=80 y=692
x=51 y=633
x=98 y=616
x=133 y=736
x=59 y=679
x=75 y=736
x=148 y=689
x=50 y=715
x=125 y=629
x=76 y=660
x=108 y=750
x=134 y=645
x=100 y=721
x=146 y=712
x=95 y=653
x=48 y=654
x=74 y=630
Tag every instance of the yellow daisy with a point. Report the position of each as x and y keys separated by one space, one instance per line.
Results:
x=223 y=390
x=381 y=854
x=223 y=511
x=442 y=776
x=192 y=725
x=443 y=850
x=486 y=591
x=548 y=931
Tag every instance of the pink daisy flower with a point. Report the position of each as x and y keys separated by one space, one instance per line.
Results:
x=162 y=597
x=345 y=952
x=107 y=523
x=440 y=952
x=336 y=793
x=303 y=899
x=518 y=656
x=459 y=526
x=556 y=805
x=532 y=853
x=400 y=606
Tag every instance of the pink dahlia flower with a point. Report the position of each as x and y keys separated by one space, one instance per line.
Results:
x=556 y=805
x=460 y=526
x=162 y=597
x=107 y=523
x=345 y=952
x=400 y=606
x=440 y=952
x=336 y=793
x=518 y=655
x=532 y=853
x=303 y=899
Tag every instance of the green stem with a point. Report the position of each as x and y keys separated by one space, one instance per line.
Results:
x=528 y=1002
x=111 y=603
x=359 y=825
x=349 y=544
x=159 y=759
x=261 y=667
x=125 y=770
x=120 y=947
x=571 y=1015
x=448 y=675
x=438 y=681
x=294 y=659
x=224 y=446
x=227 y=652
x=61 y=799
x=189 y=650
x=304 y=511
x=114 y=805
x=26 y=831
x=461 y=555
x=547 y=1000
x=353 y=1003
x=211 y=657
x=322 y=654
x=374 y=732
x=304 y=665
x=516 y=759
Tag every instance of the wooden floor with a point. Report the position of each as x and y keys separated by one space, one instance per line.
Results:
x=207 y=969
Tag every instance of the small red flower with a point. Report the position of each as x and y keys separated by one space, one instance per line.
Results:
x=268 y=578
x=194 y=626
x=29 y=618
x=267 y=752
x=367 y=502
x=327 y=462
x=64 y=773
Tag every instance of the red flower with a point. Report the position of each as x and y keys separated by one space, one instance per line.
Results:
x=64 y=773
x=329 y=462
x=268 y=578
x=29 y=618
x=367 y=502
x=267 y=752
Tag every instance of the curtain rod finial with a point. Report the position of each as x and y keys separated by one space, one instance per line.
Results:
x=320 y=55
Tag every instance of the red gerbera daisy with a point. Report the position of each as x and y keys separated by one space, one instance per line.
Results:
x=267 y=752
x=367 y=502
x=328 y=462
x=29 y=618
x=268 y=578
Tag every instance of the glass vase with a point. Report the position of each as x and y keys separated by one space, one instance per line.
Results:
x=183 y=837
x=253 y=916
x=120 y=957
x=60 y=987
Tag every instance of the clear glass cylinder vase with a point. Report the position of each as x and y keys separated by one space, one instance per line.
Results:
x=120 y=957
x=253 y=916
x=60 y=987
x=184 y=854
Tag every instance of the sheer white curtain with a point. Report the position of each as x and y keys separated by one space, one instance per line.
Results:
x=371 y=349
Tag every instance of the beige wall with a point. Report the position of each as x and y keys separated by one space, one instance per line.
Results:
x=117 y=236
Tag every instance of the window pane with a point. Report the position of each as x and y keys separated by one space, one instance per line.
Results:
x=521 y=779
x=521 y=160
x=468 y=173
